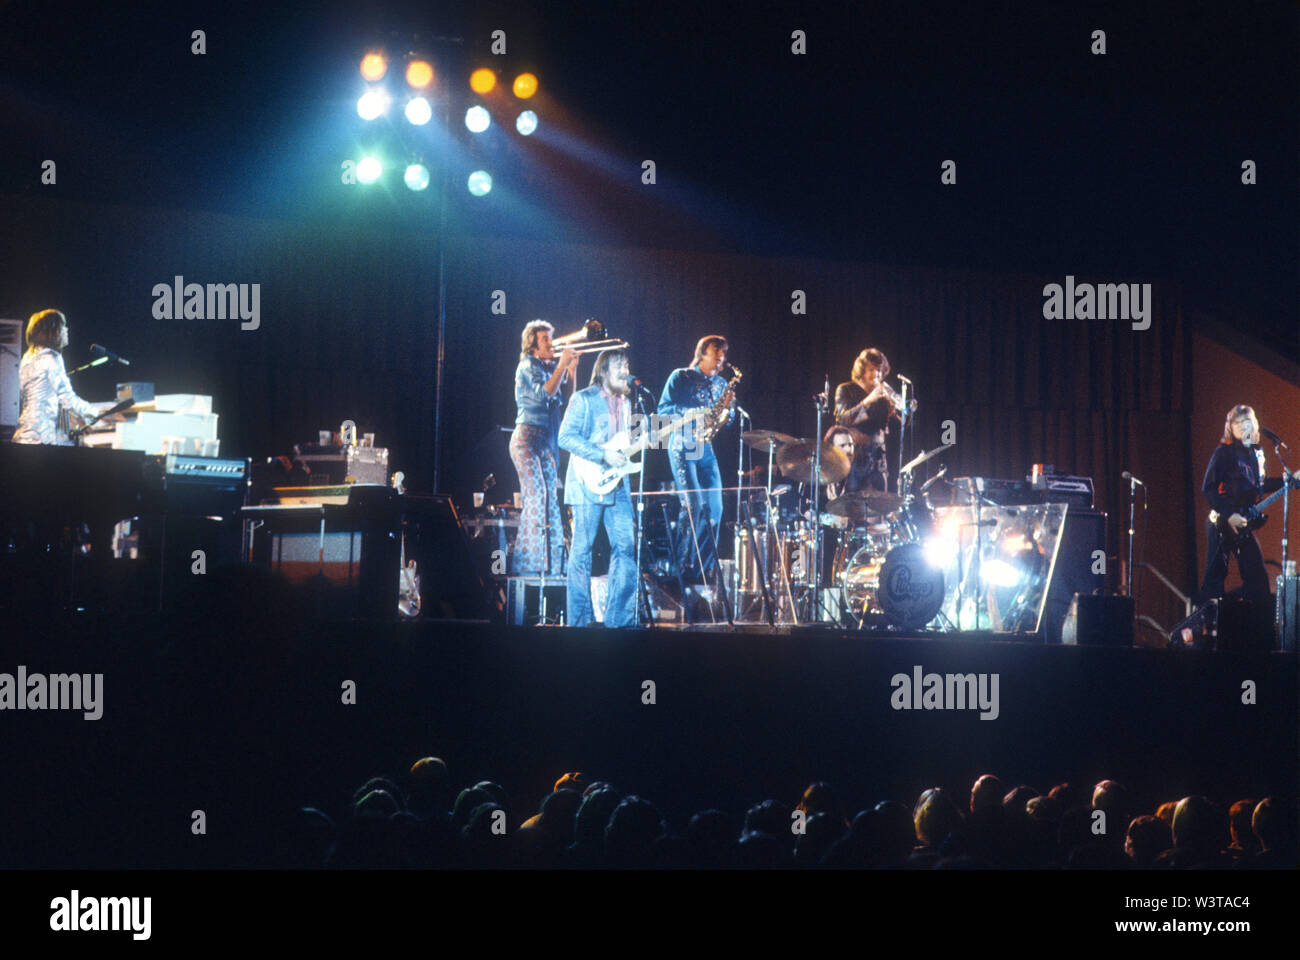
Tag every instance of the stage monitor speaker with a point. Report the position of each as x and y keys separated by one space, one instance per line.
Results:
x=1229 y=623
x=1084 y=534
x=1099 y=621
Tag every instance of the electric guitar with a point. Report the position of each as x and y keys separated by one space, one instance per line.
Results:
x=1230 y=538
x=408 y=576
x=600 y=478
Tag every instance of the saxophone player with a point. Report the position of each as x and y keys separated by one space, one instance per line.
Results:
x=695 y=468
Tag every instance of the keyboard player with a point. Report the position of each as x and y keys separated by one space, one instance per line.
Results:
x=43 y=383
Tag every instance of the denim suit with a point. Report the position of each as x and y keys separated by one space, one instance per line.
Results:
x=586 y=426
x=695 y=467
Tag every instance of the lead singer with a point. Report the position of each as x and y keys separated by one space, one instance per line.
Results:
x=595 y=415
x=539 y=544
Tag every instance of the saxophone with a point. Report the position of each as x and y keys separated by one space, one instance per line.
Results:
x=719 y=414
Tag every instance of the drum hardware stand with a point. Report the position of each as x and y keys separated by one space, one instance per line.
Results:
x=774 y=531
x=976 y=561
x=819 y=401
x=762 y=571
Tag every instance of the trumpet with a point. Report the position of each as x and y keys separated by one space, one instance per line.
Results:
x=590 y=338
x=896 y=399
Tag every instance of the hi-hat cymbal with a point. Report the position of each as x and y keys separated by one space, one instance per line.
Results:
x=796 y=462
x=864 y=504
x=765 y=439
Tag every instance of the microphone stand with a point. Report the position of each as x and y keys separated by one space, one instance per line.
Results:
x=1132 y=501
x=740 y=482
x=86 y=366
x=1284 y=594
x=902 y=429
x=642 y=595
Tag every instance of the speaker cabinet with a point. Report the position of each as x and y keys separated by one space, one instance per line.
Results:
x=1099 y=621
x=1084 y=533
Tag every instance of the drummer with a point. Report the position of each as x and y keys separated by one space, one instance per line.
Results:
x=870 y=472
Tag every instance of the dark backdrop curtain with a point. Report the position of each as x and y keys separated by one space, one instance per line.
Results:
x=349 y=330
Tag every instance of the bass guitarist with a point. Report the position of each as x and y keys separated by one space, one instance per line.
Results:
x=1233 y=483
x=594 y=416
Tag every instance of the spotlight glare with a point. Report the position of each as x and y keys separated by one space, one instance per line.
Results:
x=525 y=86
x=417 y=176
x=477 y=119
x=482 y=81
x=418 y=111
x=368 y=170
x=1001 y=574
x=480 y=183
x=373 y=103
x=373 y=67
x=419 y=73
x=526 y=122
x=940 y=551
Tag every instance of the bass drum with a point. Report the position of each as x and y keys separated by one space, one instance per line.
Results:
x=862 y=580
x=910 y=591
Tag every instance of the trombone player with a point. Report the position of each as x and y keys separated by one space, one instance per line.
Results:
x=539 y=544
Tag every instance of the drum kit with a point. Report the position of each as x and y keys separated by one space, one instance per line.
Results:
x=875 y=570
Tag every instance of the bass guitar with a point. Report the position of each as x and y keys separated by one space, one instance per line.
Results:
x=1254 y=516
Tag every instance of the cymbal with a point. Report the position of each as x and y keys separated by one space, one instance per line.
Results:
x=864 y=504
x=763 y=439
x=796 y=459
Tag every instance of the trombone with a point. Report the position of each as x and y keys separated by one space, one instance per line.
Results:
x=592 y=337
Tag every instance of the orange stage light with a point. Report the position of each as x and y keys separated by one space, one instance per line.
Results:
x=419 y=73
x=374 y=66
x=482 y=81
x=525 y=86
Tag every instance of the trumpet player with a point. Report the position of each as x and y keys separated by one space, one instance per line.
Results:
x=690 y=390
x=869 y=405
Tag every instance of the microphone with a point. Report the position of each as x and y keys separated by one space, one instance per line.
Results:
x=744 y=413
x=489 y=482
x=781 y=491
x=903 y=379
x=99 y=351
x=1128 y=476
x=1274 y=437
